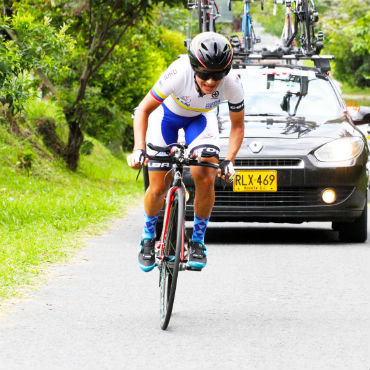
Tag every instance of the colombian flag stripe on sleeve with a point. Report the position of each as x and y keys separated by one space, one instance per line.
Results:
x=157 y=95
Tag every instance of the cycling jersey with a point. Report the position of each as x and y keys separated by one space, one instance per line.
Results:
x=184 y=107
x=178 y=89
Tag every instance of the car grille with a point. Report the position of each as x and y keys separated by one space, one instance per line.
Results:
x=269 y=162
x=284 y=197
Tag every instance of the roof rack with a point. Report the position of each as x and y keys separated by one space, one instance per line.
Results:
x=321 y=62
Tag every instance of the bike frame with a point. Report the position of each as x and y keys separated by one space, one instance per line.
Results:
x=208 y=12
x=305 y=16
x=248 y=36
x=246 y=25
x=176 y=183
x=288 y=29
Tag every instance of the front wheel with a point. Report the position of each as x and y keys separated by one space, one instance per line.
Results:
x=170 y=259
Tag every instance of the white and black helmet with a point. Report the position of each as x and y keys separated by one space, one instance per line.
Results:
x=211 y=51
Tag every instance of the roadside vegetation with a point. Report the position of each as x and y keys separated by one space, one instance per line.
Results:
x=47 y=206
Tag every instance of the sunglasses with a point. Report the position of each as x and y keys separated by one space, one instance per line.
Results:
x=206 y=75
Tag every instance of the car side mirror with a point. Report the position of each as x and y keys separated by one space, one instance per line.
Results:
x=359 y=114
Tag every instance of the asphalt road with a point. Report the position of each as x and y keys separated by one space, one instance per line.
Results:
x=272 y=297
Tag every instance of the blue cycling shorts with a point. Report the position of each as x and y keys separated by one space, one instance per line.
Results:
x=166 y=128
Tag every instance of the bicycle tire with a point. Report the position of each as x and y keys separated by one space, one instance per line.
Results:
x=250 y=35
x=306 y=26
x=172 y=245
x=288 y=30
x=202 y=14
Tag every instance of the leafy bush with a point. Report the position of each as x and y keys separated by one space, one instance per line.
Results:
x=125 y=79
x=87 y=147
x=347 y=27
x=34 y=45
x=25 y=160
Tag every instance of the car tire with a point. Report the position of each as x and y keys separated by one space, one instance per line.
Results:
x=353 y=232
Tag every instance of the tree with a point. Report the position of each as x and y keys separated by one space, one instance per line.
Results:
x=144 y=53
x=347 y=26
x=98 y=28
x=37 y=46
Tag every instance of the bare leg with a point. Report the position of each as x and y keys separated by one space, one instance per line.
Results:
x=156 y=192
x=204 y=179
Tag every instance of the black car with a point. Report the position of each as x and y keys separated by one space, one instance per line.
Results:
x=302 y=158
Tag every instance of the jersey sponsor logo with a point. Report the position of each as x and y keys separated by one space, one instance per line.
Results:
x=170 y=74
x=156 y=165
x=213 y=104
x=186 y=100
x=211 y=150
x=206 y=151
x=236 y=107
x=215 y=94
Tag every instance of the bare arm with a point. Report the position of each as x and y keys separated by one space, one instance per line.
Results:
x=235 y=139
x=236 y=134
x=147 y=106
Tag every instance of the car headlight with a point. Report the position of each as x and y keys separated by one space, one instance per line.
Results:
x=342 y=149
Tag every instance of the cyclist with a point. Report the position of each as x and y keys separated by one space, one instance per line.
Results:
x=183 y=98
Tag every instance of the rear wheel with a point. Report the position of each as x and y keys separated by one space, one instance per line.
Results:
x=250 y=43
x=287 y=31
x=169 y=265
x=202 y=21
x=306 y=35
x=353 y=232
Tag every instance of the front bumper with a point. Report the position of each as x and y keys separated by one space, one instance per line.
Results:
x=298 y=197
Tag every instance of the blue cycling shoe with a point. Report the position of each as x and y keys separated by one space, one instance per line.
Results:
x=146 y=258
x=197 y=255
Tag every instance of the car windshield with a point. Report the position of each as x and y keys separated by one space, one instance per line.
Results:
x=284 y=92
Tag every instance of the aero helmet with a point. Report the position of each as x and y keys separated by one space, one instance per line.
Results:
x=211 y=51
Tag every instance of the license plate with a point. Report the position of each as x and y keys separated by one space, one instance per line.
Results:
x=253 y=181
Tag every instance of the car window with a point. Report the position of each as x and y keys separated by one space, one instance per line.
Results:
x=291 y=93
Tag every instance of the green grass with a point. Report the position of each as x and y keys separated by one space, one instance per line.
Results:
x=45 y=214
x=354 y=90
x=353 y=100
x=356 y=95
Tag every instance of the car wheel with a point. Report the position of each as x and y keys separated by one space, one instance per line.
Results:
x=353 y=232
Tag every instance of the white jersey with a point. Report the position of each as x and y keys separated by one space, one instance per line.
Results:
x=176 y=87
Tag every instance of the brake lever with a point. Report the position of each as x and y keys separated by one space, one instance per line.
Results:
x=138 y=174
